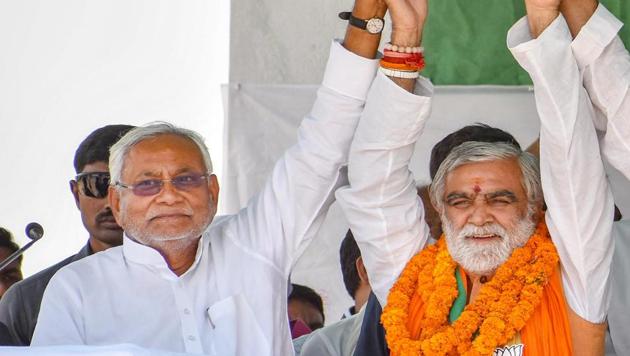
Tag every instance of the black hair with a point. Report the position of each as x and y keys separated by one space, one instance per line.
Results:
x=348 y=254
x=95 y=147
x=6 y=241
x=307 y=295
x=477 y=132
x=618 y=215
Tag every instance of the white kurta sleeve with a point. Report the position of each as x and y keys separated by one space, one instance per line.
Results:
x=605 y=64
x=579 y=201
x=278 y=222
x=381 y=204
x=60 y=319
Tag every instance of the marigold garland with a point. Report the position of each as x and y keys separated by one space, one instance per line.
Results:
x=501 y=309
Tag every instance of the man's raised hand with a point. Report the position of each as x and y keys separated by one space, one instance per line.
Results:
x=408 y=17
x=540 y=14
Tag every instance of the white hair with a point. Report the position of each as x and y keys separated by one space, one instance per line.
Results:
x=472 y=152
x=119 y=151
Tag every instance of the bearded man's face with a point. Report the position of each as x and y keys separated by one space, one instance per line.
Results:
x=486 y=214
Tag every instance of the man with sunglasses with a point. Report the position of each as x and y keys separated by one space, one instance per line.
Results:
x=19 y=308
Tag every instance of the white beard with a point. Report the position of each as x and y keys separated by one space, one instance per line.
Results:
x=135 y=231
x=484 y=257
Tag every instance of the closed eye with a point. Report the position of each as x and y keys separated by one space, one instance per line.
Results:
x=500 y=202
x=459 y=203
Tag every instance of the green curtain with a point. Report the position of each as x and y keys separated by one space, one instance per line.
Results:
x=465 y=40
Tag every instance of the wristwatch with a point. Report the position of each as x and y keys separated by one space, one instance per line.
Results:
x=374 y=25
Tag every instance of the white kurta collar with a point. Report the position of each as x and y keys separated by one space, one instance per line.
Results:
x=136 y=252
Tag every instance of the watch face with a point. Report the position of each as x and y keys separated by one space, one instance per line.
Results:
x=374 y=25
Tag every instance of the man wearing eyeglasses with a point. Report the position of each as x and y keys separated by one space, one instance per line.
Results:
x=20 y=305
x=181 y=284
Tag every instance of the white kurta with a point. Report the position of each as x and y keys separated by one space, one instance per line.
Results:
x=604 y=65
x=580 y=203
x=381 y=204
x=232 y=301
x=386 y=215
x=338 y=339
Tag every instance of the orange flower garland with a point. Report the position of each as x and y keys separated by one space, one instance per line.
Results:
x=501 y=309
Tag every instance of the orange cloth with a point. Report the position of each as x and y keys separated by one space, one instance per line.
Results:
x=547 y=331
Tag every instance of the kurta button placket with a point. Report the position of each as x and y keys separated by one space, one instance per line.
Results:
x=189 y=326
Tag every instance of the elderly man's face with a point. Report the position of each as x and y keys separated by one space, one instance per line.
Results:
x=173 y=213
x=485 y=214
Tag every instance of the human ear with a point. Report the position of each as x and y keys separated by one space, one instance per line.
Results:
x=74 y=189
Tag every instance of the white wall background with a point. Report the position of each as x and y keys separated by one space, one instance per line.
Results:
x=70 y=66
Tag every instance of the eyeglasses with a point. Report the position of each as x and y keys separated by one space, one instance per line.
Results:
x=93 y=184
x=185 y=182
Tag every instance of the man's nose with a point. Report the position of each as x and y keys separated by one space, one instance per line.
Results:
x=169 y=194
x=480 y=215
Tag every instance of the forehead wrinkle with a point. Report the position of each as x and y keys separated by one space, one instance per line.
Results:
x=160 y=174
x=149 y=173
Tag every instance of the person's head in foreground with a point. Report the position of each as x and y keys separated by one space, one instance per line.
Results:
x=162 y=191
x=487 y=192
x=91 y=184
x=12 y=273
x=489 y=198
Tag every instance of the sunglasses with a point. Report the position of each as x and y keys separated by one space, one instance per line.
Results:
x=148 y=187
x=93 y=184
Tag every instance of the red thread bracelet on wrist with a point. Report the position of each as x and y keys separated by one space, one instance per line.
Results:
x=409 y=59
x=399 y=66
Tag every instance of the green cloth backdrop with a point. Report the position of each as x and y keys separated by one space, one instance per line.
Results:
x=465 y=40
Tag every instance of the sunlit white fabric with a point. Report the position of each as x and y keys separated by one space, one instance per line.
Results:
x=232 y=301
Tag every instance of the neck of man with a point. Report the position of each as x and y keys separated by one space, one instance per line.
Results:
x=97 y=245
x=475 y=282
x=178 y=254
x=361 y=296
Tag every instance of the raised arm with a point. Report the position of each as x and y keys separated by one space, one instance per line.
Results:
x=278 y=222
x=381 y=205
x=580 y=205
x=605 y=65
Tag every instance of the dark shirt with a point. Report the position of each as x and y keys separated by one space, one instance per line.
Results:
x=5 y=338
x=19 y=306
x=371 y=340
